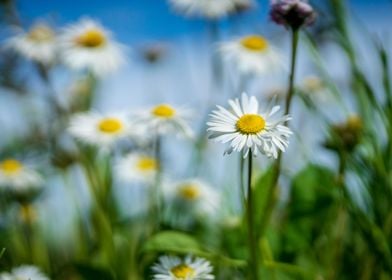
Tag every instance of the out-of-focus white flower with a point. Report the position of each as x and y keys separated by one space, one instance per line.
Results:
x=252 y=55
x=24 y=272
x=190 y=199
x=87 y=45
x=245 y=128
x=163 y=119
x=102 y=130
x=211 y=9
x=137 y=167
x=174 y=268
x=15 y=176
x=38 y=44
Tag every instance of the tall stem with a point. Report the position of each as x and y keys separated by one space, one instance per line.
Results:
x=289 y=97
x=251 y=231
x=155 y=195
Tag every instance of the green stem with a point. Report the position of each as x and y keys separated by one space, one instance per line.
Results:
x=250 y=222
x=289 y=97
x=156 y=194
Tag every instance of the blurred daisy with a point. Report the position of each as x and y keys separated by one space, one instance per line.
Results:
x=174 y=268
x=18 y=177
x=164 y=119
x=87 y=45
x=38 y=44
x=190 y=198
x=248 y=129
x=99 y=129
x=211 y=9
x=137 y=167
x=252 y=55
x=24 y=272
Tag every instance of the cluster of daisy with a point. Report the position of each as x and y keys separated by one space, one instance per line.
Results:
x=210 y=9
x=24 y=272
x=85 y=45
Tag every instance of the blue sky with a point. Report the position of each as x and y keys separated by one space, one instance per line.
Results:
x=134 y=20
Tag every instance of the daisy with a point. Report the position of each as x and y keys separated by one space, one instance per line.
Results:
x=211 y=9
x=99 y=129
x=246 y=128
x=137 y=167
x=164 y=119
x=86 y=45
x=174 y=268
x=193 y=196
x=37 y=44
x=24 y=272
x=17 y=176
x=251 y=54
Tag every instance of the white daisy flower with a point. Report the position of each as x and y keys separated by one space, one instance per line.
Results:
x=211 y=9
x=38 y=44
x=16 y=176
x=99 y=129
x=24 y=272
x=137 y=167
x=163 y=119
x=246 y=128
x=189 y=200
x=174 y=268
x=86 y=45
x=252 y=55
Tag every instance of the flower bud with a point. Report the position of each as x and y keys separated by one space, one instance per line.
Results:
x=292 y=13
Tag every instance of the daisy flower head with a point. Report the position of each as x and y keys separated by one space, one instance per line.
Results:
x=87 y=45
x=99 y=129
x=137 y=167
x=16 y=176
x=247 y=128
x=164 y=119
x=189 y=268
x=210 y=9
x=252 y=55
x=189 y=202
x=37 y=44
x=24 y=272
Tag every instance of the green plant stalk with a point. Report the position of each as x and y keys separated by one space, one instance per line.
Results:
x=155 y=196
x=252 y=243
x=288 y=101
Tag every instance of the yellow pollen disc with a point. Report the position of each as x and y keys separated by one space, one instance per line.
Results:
x=10 y=166
x=255 y=43
x=147 y=164
x=41 y=33
x=182 y=271
x=189 y=192
x=110 y=125
x=163 y=111
x=250 y=124
x=91 y=39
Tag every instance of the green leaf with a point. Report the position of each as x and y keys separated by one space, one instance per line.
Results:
x=264 y=196
x=175 y=242
x=2 y=252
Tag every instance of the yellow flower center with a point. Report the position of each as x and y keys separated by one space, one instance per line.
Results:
x=255 y=43
x=250 y=124
x=189 y=192
x=182 y=271
x=110 y=125
x=10 y=166
x=92 y=38
x=163 y=111
x=41 y=33
x=147 y=164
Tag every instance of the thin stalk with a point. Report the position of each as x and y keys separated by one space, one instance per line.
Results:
x=288 y=101
x=156 y=194
x=250 y=222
